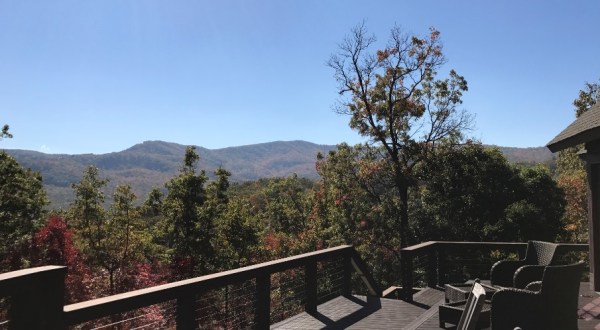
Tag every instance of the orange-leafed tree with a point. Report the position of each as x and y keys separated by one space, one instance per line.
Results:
x=395 y=99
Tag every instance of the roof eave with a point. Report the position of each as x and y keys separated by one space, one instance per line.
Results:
x=583 y=137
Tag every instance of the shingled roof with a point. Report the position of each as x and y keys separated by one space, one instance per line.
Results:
x=586 y=128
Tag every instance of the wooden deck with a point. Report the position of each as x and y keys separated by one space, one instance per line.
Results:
x=380 y=313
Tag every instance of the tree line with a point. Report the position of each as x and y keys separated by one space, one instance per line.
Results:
x=195 y=226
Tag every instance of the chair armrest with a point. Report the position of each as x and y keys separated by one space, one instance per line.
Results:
x=534 y=286
x=527 y=274
x=503 y=271
x=513 y=308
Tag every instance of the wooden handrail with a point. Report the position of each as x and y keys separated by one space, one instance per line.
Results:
x=37 y=293
x=101 y=307
x=97 y=308
x=437 y=251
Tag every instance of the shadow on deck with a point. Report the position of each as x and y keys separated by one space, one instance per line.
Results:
x=359 y=312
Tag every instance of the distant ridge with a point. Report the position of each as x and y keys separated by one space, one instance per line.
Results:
x=526 y=155
x=152 y=163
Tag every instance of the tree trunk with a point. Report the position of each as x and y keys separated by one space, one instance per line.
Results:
x=111 y=280
x=403 y=226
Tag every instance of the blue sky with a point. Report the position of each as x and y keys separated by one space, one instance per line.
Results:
x=100 y=76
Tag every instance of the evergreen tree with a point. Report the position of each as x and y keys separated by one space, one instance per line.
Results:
x=22 y=201
x=87 y=214
x=189 y=232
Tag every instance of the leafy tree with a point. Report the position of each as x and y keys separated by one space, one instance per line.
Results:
x=156 y=226
x=474 y=194
x=539 y=206
x=153 y=204
x=22 y=201
x=111 y=240
x=87 y=212
x=354 y=203
x=575 y=217
x=588 y=96
x=189 y=232
x=53 y=245
x=395 y=99
x=124 y=240
x=464 y=193
x=287 y=207
x=238 y=236
x=5 y=133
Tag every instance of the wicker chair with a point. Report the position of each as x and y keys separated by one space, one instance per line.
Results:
x=554 y=306
x=519 y=273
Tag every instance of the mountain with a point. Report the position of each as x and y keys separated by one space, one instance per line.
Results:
x=526 y=155
x=152 y=163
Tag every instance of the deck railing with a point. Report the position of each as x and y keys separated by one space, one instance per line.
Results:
x=36 y=295
x=436 y=263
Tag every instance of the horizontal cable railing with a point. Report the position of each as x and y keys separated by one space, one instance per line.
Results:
x=4 y=320
x=435 y=263
x=249 y=297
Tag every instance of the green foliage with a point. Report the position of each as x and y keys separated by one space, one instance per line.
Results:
x=463 y=192
x=22 y=201
x=125 y=236
x=238 y=236
x=186 y=193
x=286 y=206
x=112 y=240
x=474 y=194
x=356 y=203
x=588 y=96
x=87 y=214
x=191 y=210
x=5 y=133
x=569 y=162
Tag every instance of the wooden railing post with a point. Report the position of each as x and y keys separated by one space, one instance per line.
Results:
x=262 y=318
x=432 y=267
x=36 y=297
x=185 y=311
x=347 y=281
x=310 y=270
x=407 y=275
x=441 y=265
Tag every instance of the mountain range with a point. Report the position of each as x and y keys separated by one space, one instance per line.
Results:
x=152 y=163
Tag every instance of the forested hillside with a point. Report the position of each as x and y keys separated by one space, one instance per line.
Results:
x=150 y=164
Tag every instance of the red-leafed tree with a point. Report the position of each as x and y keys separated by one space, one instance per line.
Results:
x=53 y=245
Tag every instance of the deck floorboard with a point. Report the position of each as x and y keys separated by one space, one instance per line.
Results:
x=360 y=312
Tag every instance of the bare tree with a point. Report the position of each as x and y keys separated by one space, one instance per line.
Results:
x=393 y=98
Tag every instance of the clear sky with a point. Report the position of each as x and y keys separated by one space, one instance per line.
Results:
x=100 y=76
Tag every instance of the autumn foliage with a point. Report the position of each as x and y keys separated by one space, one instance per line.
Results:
x=53 y=245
